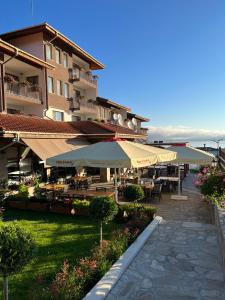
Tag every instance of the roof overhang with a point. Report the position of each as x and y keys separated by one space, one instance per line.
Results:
x=40 y=135
x=115 y=135
x=45 y=148
x=94 y=63
x=112 y=103
x=23 y=55
x=143 y=119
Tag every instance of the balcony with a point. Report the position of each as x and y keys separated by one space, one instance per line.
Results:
x=143 y=131
x=83 y=78
x=83 y=106
x=25 y=90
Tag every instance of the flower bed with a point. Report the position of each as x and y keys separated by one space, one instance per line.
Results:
x=212 y=184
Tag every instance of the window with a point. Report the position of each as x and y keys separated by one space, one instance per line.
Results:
x=58 y=56
x=66 y=90
x=50 y=85
x=58 y=115
x=65 y=60
x=59 y=87
x=33 y=80
x=48 y=51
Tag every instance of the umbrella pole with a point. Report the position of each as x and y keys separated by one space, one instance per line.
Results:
x=116 y=189
x=178 y=192
x=178 y=196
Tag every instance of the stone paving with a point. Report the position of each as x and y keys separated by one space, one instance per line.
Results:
x=181 y=260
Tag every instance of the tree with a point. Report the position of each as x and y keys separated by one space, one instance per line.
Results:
x=134 y=192
x=16 y=250
x=103 y=209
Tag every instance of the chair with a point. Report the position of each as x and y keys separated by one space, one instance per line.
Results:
x=163 y=172
x=84 y=184
x=135 y=180
x=73 y=185
x=157 y=191
x=151 y=172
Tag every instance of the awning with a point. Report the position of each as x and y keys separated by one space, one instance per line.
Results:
x=45 y=148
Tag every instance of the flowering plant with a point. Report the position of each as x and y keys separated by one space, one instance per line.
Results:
x=72 y=284
x=217 y=199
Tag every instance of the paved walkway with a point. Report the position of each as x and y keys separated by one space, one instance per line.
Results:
x=181 y=260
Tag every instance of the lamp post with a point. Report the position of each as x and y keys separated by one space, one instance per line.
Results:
x=218 y=145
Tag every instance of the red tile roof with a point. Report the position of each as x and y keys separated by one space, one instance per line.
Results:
x=21 y=123
x=92 y=127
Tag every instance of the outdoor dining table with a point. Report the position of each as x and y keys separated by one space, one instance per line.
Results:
x=158 y=167
x=167 y=178
x=148 y=188
x=170 y=182
x=79 y=178
x=54 y=186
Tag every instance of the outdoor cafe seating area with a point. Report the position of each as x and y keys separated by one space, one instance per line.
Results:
x=154 y=180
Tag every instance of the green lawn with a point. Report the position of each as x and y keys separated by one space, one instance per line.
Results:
x=57 y=238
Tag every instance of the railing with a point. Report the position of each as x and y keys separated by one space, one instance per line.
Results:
x=76 y=74
x=78 y=103
x=89 y=77
x=222 y=158
x=143 y=131
x=21 y=89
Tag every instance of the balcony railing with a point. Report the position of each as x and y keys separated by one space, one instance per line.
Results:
x=89 y=77
x=24 y=90
x=143 y=131
x=82 y=105
x=77 y=74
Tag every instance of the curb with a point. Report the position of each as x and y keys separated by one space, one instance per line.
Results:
x=108 y=281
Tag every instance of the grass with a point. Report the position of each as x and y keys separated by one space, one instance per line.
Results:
x=58 y=238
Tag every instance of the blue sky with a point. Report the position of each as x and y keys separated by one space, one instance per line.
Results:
x=164 y=58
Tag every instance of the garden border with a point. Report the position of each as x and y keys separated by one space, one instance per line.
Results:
x=108 y=281
x=219 y=215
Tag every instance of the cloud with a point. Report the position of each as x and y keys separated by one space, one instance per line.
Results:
x=182 y=133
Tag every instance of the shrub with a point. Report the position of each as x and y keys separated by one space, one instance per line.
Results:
x=213 y=184
x=132 y=211
x=103 y=209
x=217 y=199
x=117 y=245
x=23 y=190
x=73 y=284
x=134 y=193
x=16 y=250
x=16 y=197
x=37 y=189
x=79 y=204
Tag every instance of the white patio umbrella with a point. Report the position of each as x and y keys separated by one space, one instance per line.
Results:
x=189 y=155
x=113 y=154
